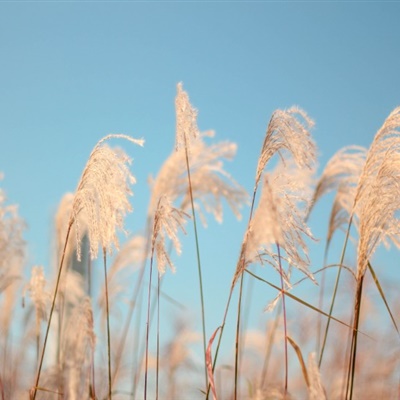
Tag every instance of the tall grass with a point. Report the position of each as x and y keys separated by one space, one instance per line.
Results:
x=66 y=334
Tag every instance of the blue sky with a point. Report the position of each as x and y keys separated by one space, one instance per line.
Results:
x=72 y=72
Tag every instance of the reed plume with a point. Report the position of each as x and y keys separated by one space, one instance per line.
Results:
x=377 y=197
x=279 y=217
x=168 y=220
x=288 y=136
x=102 y=198
x=102 y=194
x=12 y=257
x=210 y=182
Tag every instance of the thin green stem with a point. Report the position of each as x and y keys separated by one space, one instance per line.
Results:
x=108 y=325
x=158 y=334
x=284 y=319
x=321 y=298
x=238 y=337
x=51 y=312
x=148 y=325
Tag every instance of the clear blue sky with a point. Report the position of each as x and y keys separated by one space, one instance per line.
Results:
x=72 y=72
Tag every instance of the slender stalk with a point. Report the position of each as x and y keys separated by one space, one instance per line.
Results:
x=203 y=319
x=108 y=325
x=148 y=326
x=284 y=318
x=353 y=351
x=321 y=299
x=137 y=357
x=335 y=290
x=93 y=369
x=238 y=336
x=158 y=334
x=51 y=312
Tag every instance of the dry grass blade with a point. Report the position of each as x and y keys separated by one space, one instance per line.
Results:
x=209 y=364
x=381 y=292
x=304 y=303
x=301 y=359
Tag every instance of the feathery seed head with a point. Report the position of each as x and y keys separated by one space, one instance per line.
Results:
x=288 y=130
x=211 y=184
x=279 y=219
x=102 y=195
x=388 y=136
x=186 y=116
x=343 y=169
x=378 y=210
x=167 y=221
x=38 y=293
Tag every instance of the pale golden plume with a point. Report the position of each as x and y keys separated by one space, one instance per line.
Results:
x=102 y=194
x=168 y=220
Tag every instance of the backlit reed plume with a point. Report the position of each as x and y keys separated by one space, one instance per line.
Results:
x=102 y=195
x=288 y=130
x=206 y=182
x=379 y=221
x=341 y=174
x=378 y=200
x=12 y=254
x=186 y=120
x=344 y=168
x=388 y=136
x=288 y=136
x=12 y=257
x=168 y=220
x=102 y=198
x=279 y=217
x=40 y=297
x=211 y=184
x=62 y=222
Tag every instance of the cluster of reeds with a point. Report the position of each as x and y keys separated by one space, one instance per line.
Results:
x=63 y=344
